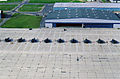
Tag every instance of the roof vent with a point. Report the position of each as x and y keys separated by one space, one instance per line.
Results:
x=65 y=8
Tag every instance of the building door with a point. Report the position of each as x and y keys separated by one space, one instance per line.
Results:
x=98 y=25
x=68 y=25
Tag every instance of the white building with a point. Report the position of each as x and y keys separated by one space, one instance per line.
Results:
x=3 y=0
x=0 y=14
x=115 y=1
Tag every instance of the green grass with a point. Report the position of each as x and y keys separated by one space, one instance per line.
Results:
x=31 y=8
x=23 y=21
x=7 y=7
x=1 y=20
x=104 y=1
x=11 y=1
x=51 y=1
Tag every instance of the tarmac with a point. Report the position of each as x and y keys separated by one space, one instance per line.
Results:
x=59 y=60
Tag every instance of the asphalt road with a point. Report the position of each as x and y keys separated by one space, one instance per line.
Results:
x=45 y=11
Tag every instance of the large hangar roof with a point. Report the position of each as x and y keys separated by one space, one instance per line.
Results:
x=99 y=5
x=82 y=13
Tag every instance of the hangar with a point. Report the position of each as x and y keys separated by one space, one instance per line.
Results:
x=84 y=18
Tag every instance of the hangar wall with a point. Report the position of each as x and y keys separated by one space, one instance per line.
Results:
x=84 y=25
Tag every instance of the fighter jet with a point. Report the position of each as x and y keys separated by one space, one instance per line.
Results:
x=47 y=40
x=113 y=41
x=21 y=40
x=77 y=59
x=74 y=41
x=8 y=39
x=30 y=28
x=65 y=29
x=87 y=41
x=100 y=41
x=60 y=40
x=34 y=40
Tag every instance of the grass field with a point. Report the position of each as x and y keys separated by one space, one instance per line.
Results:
x=52 y=1
x=103 y=1
x=1 y=20
x=23 y=21
x=10 y=1
x=7 y=7
x=31 y=8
